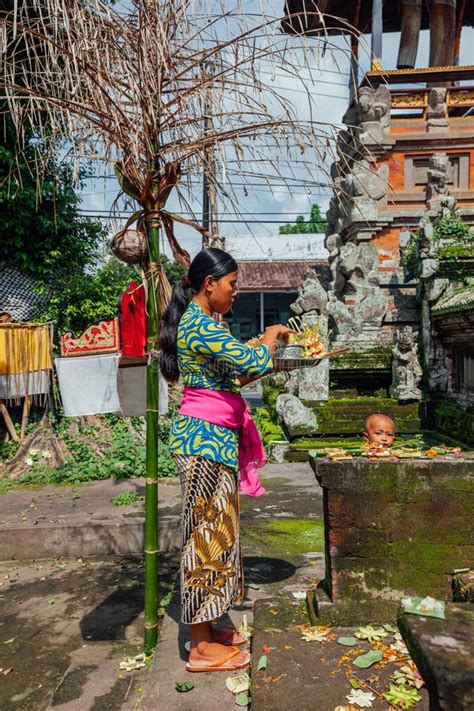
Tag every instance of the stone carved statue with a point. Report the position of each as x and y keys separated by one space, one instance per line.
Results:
x=358 y=264
x=312 y=296
x=427 y=248
x=437 y=186
x=373 y=113
x=437 y=109
x=406 y=368
x=442 y=32
x=438 y=375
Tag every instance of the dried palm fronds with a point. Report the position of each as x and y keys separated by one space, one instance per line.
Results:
x=162 y=89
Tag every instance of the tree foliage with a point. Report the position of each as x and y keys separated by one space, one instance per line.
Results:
x=43 y=233
x=315 y=224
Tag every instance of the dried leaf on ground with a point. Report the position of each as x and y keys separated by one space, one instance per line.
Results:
x=184 y=686
x=366 y=660
x=372 y=634
x=133 y=663
x=238 y=684
x=362 y=699
x=315 y=634
x=242 y=700
x=347 y=641
x=402 y=696
x=408 y=674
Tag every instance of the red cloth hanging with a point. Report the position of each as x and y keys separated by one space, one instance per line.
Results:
x=133 y=331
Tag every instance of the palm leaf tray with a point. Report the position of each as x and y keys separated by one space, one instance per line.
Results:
x=284 y=360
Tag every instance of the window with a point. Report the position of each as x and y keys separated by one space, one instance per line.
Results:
x=464 y=371
x=416 y=172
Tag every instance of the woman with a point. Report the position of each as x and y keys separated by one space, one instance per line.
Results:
x=204 y=440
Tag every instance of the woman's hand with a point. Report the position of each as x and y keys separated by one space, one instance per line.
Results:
x=276 y=334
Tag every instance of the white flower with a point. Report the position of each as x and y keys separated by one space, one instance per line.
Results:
x=299 y=595
x=28 y=461
x=360 y=698
x=33 y=452
x=407 y=602
x=46 y=455
x=429 y=603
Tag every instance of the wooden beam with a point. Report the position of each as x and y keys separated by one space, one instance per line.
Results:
x=377 y=33
x=8 y=421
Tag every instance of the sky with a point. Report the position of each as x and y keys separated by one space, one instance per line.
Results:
x=266 y=209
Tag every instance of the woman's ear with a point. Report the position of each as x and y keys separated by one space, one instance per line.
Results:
x=209 y=283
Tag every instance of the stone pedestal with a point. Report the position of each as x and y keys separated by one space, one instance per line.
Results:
x=394 y=528
x=443 y=651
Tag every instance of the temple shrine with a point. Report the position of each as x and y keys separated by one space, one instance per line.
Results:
x=400 y=291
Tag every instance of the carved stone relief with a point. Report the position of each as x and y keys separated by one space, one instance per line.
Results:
x=406 y=368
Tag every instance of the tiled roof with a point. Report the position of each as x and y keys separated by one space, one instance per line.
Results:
x=255 y=275
x=461 y=300
x=17 y=295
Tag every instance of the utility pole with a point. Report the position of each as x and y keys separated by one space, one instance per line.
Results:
x=209 y=194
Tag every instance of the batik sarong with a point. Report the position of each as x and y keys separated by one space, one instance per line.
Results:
x=211 y=564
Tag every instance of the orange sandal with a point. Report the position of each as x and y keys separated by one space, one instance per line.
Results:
x=222 y=664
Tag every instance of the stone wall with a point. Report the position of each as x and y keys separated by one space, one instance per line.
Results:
x=394 y=528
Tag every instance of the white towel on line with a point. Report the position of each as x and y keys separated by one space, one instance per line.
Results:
x=88 y=384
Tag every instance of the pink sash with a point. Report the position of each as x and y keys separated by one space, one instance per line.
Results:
x=230 y=410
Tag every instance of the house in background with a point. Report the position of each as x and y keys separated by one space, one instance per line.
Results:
x=271 y=268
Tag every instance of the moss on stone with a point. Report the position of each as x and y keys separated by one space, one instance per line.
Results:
x=453 y=420
x=346 y=416
x=371 y=358
x=285 y=536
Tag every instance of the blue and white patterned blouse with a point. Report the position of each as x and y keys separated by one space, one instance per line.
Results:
x=209 y=357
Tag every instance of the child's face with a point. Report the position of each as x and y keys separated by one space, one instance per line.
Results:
x=380 y=430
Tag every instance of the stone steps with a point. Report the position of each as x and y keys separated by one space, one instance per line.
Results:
x=306 y=675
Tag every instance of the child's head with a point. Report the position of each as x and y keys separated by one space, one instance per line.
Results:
x=380 y=430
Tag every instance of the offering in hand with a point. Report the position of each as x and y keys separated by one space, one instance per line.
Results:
x=310 y=338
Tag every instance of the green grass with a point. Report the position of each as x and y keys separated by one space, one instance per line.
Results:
x=127 y=498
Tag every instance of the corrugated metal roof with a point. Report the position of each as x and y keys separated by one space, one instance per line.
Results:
x=284 y=275
x=461 y=300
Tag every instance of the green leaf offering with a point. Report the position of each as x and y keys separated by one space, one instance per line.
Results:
x=184 y=686
x=427 y=606
x=242 y=700
x=399 y=695
x=354 y=683
x=372 y=634
x=347 y=641
x=9 y=641
x=366 y=660
x=262 y=662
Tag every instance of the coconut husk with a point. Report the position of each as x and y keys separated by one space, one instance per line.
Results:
x=130 y=246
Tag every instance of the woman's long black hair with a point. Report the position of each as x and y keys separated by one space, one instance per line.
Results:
x=209 y=262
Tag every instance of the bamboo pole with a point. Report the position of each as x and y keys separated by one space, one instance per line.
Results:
x=25 y=415
x=151 y=487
